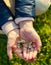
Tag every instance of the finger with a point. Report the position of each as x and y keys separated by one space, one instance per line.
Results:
x=30 y=55
x=27 y=54
x=34 y=54
x=10 y=44
x=38 y=44
x=24 y=50
x=9 y=52
x=37 y=38
x=18 y=52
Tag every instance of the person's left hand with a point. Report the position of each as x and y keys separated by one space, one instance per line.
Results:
x=28 y=33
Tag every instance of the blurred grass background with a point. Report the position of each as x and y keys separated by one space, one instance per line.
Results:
x=42 y=25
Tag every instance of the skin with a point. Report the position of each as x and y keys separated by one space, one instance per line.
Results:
x=13 y=37
x=28 y=33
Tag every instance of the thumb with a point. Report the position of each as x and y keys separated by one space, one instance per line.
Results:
x=9 y=52
x=10 y=44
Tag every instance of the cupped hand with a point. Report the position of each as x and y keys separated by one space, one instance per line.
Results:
x=13 y=37
x=28 y=33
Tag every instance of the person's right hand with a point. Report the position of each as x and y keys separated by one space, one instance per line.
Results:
x=12 y=42
x=12 y=32
x=12 y=46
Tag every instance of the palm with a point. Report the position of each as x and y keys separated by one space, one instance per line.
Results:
x=12 y=46
x=30 y=35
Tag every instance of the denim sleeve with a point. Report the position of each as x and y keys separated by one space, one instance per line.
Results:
x=4 y=13
x=25 y=8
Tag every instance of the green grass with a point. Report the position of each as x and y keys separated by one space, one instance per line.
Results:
x=42 y=25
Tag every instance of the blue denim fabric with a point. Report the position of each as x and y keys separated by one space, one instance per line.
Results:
x=25 y=8
x=4 y=13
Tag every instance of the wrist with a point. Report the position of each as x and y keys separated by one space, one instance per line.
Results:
x=26 y=24
x=13 y=33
